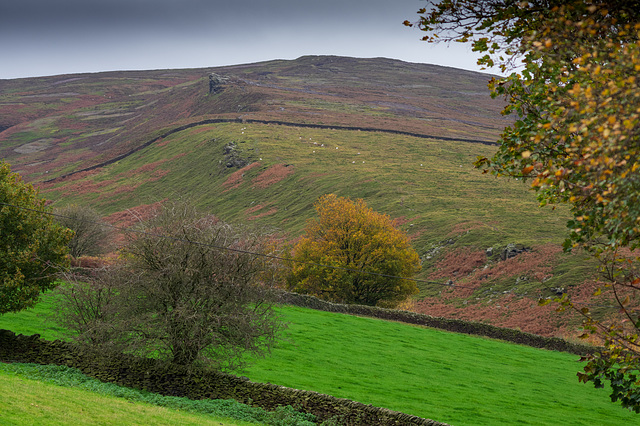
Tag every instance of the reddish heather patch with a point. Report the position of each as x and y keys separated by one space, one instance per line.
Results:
x=585 y=295
x=85 y=101
x=47 y=186
x=458 y=263
x=399 y=221
x=63 y=160
x=121 y=189
x=506 y=311
x=271 y=211
x=131 y=216
x=149 y=167
x=200 y=129
x=80 y=175
x=71 y=124
x=415 y=235
x=158 y=174
x=235 y=179
x=175 y=157
x=12 y=130
x=273 y=174
x=255 y=208
x=537 y=264
x=161 y=143
x=84 y=187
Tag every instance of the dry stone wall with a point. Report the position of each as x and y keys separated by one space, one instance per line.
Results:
x=172 y=380
x=453 y=325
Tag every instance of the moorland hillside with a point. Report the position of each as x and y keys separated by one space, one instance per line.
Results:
x=259 y=143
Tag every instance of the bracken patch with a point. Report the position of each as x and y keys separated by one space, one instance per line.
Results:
x=130 y=217
x=506 y=311
x=458 y=263
x=271 y=211
x=273 y=174
x=235 y=179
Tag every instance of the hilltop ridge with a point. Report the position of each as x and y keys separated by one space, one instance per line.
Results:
x=107 y=114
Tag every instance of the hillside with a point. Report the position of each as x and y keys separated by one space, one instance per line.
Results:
x=259 y=143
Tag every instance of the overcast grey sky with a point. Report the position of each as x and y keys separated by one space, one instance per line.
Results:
x=49 y=37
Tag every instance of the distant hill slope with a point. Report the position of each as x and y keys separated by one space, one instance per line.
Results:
x=58 y=124
x=259 y=143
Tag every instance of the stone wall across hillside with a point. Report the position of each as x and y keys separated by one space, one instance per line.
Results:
x=166 y=379
x=453 y=325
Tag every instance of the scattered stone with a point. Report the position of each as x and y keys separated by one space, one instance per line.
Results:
x=512 y=250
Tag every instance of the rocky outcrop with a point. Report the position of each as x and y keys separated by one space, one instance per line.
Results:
x=506 y=252
x=232 y=156
x=216 y=83
x=512 y=250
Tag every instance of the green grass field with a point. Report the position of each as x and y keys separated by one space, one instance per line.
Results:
x=35 y=402
x=51 y=394
x=453 y=378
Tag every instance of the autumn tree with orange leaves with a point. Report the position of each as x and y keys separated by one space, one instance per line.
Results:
x=573 y=89
x=351 y=254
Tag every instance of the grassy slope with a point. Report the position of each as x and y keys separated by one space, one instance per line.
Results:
x=448 y=377
x=34 y=402
x=82 y=119
x=428 y=185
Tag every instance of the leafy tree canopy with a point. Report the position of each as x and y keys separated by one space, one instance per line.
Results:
x=367 y=254
x=32 y=246
x=573 y=91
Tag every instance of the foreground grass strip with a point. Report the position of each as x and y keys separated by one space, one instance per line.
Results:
x=453 y=378
x=38 y=396
x=33 y=402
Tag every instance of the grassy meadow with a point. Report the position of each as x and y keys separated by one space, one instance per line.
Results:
x=37 y=402
x=452 y=378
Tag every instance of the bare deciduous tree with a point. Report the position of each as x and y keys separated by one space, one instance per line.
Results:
x=91 y=234
x=191 y=295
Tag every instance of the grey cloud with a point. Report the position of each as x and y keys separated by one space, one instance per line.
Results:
x=41 y=37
